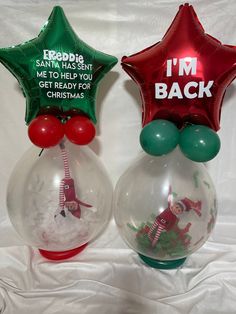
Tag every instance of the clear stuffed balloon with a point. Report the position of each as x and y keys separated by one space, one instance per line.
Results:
x=60 y=200
x=165 y=204
x=165 y=208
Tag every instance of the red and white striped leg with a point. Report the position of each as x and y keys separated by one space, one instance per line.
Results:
x=157 y=235
x=153 y=227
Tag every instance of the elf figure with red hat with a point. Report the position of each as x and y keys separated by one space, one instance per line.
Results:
x=168 y=218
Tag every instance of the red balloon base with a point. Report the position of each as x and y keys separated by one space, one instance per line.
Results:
x=57 y=256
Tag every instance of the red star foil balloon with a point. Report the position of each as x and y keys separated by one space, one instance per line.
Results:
x=183 y=78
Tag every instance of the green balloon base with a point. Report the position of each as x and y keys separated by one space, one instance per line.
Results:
x=162 y=264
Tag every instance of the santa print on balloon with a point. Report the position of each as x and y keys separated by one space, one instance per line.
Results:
x=182 y=81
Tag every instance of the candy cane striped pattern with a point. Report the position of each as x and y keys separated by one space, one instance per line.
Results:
x=66 y=174
x=153 y=227
x=61 y=195
x=65 y=161
x=157 y=235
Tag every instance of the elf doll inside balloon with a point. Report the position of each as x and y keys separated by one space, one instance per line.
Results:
x=59 y=194
x=168 y=218
x=165 y=203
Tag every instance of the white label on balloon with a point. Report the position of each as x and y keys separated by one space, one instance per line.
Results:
x=58 y=76
x=185 y=66
x=198 y=90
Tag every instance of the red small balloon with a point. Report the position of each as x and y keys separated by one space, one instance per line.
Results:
x=80 y=130
x=45 y=131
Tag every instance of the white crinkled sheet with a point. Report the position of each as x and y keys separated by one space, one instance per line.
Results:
x=108 y=277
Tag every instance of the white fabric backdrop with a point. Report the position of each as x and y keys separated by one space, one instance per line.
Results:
x=108 y=277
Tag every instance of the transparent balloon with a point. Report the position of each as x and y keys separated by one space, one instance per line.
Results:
x=165 y=207
x=60 y=199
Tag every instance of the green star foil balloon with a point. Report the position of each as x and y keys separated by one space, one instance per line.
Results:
x=57 y=69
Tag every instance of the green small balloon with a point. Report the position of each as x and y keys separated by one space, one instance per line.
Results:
x=199 y=143
x=159 y=137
